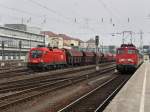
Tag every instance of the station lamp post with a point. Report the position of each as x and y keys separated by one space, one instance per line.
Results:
x=97 y=43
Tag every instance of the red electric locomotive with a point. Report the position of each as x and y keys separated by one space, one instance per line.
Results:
x=128 y=58
x=44 y=57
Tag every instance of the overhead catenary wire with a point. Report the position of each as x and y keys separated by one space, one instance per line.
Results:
x=115 y=15
x=52 y=11
x=19 y=10
x=26 y=20
x=43 y=6
x=107 y=9
x=89 y=27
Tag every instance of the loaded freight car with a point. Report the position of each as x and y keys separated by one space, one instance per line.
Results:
x=73 y=57
x=46 y=58
x=88 y=57
x=109 y=57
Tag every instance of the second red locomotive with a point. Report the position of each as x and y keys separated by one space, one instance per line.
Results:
x=128 y=58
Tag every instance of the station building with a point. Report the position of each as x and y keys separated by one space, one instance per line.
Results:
x=15 y=42
x=88 y=45
x=52 y=39
x=60 y=40
x=69 y=42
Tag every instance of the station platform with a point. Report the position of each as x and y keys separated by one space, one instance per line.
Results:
x=135 y=95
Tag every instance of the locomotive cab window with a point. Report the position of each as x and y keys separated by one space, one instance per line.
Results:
x=36 y=54
x=120 y=51
x=131 y=51
x=46 y=52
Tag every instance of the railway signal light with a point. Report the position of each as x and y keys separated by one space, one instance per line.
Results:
x=96 y=40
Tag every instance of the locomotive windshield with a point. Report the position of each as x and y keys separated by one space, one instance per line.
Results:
x=131 y=51
x=128 y=51
x=36 y=54
x=120 y=51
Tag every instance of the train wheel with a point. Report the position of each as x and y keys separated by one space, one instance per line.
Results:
x=61 y=66
x=49 y=67
x=43 y=68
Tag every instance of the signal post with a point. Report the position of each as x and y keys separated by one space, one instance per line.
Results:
x=97 y=43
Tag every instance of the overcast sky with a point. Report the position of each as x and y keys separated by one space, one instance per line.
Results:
x=82 y=18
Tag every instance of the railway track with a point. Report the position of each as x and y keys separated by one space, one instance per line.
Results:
x=35 y=81
x=18 y=86
x=23 y=71
x=10 y=69
x=15 y=72
x=97 y=99
x=40 y=90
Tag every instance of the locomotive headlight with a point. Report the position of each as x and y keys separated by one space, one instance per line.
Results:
x=130 y=60
x=41 y=60
x=121 y=60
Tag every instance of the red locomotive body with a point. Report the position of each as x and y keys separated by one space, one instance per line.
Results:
x=44 y=57
x=128 y=58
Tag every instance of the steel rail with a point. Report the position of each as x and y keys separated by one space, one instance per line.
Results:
x=110 y=97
